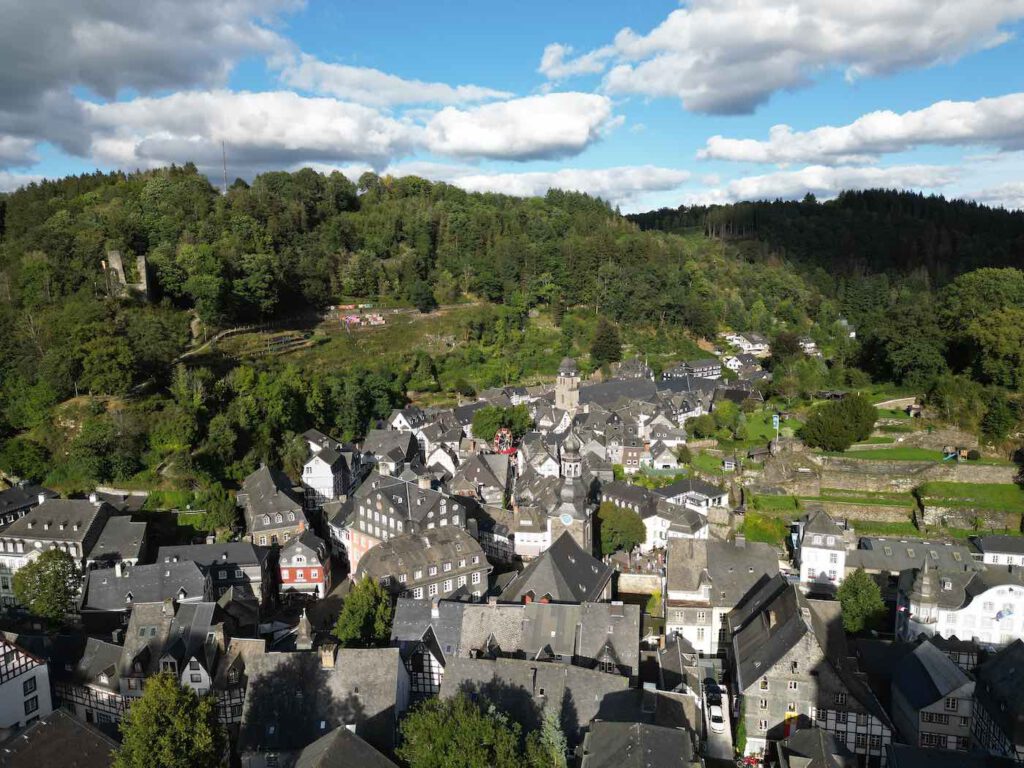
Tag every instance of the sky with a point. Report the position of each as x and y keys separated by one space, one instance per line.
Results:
x=646 y=104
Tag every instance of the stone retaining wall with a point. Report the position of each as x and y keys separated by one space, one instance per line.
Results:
x=903 y=476
x=875 y=513
x=967 y=518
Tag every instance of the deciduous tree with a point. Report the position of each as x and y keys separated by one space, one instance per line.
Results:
x=861 y=601
x=48 y=585
x=365 y=619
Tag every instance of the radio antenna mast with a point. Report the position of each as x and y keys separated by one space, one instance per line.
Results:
x=224 y=160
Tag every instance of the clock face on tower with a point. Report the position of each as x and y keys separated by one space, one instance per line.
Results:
x=566 y=518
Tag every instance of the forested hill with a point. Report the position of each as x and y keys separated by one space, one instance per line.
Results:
x=870 y=231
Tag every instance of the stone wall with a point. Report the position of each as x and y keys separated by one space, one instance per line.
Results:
x=875 y=513
x=967 y=518
x=639 y=583
x=904 y=476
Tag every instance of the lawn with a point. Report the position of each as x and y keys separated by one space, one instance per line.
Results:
x=897 y=429
x=865 y=497
x=906 y=501
x=771 y=530
x=879 y=440
x=776 y=504
x=870 y=528
x=708 y=464
x=1000 y=497
x=892 y=413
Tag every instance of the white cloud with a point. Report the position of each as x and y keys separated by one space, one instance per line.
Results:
x=260 y=129
x=548 y=126
x=16 y=151
x=826 y=182
x=996 y=122
x=11 y=181
x=1009 y=195
x=371 y=86
x=555 y=64
x=49 y=47
x=618 y=185
x=728 y=56
x=282 y=129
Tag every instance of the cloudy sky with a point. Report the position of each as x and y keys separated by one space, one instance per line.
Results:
x=646 y=104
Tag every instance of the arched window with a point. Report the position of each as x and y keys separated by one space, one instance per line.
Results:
x=266 y=519
x=278 y=518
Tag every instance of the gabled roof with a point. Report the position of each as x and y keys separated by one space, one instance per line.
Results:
x=414 y=618
x=268 y=491
x=77 y=516
x=20 y=496
x=341 y=749
x=564 y=571
x=814 y=748
x=385 y=443
x=120 y=539
x=999 y=544
x=926 y=675
x=59 y=739
x=999 y=689
x=637 y=745
x=106 y=591
x=236 y=553
x=689 y=485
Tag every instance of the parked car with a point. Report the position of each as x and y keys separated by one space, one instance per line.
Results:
x=716 y=720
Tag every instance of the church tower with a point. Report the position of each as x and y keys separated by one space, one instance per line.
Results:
x=567 y=386
x=572 y=464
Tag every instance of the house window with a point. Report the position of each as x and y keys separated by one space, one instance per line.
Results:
x=795 y=667
x=764 y=683
x=462 y=580
x=417 y=575
x=833 y=558
x=447 y=585
x=476 y=559
x=432 y=590
x=31 y=705
x=417 y=593
x=952 y=704
x=762 y=725
x=701 y=615
x=876 y=741
x=841 y=718
x=263 y=541
x=314 y=573
x=193 y=665
x=233 y=676
x=700 y=633
x=476 y=577
x=841 y=699
x=300 y=574
x=792 y=685
x=29 y=686
x=763 y=703
x=447 y=567
x=284 y=573
x=432 y=570
x=862 y=741
x=196 y=678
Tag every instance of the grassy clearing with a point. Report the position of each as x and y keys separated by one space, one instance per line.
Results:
x=770 y=530
x=869 y=501
x=708 y=464
x=897 y=429
x=877 y=440
x=871 y=528
x=907 y=453
x=892 y=413
x=841 y=494
x=158 y=500
x=1001 y=497
x=776 y=504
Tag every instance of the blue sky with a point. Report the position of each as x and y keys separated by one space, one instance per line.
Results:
x=645 y=104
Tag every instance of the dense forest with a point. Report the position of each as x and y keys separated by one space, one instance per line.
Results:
x=92 y=389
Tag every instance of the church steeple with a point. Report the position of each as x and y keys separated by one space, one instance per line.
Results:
x=572 y=464
x=567 y=386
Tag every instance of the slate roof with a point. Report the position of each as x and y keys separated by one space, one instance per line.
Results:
x=814 y=748
x=413 y=619
x=106 y=591
x=892 y=555
x=55 y=512
x=59 y=739
x=926 y=675
x=413 y=551
x=268 y=492
x=396 y=446
x=19 y=497
x=524 y=688
x=675 y=662
x=492 y=628
x=905 y=756
x=564 y=571
x=999 y=688
x=618 y=392
x=361 y=689
x=550 y=630
x=322 y=439
x=403 y=499
x=341 y=749
x=610 y=632
x=636 y=745
x=999 y=544
x=821 y=523
x=120 y=539
x=733 y=570
x=237 y=553
x=98 y=657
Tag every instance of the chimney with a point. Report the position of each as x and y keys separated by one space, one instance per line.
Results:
x=424 y=482
x=492 y=600
x=118 y=569
x=42 y=498
x=327 y=655
x=93 y=498
x=168 y=609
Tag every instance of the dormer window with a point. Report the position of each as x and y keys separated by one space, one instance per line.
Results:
x=947 y=585
x=233 y=676
x=182 y=594
x=816 y=540
x=128 y=597
x=291 y=517
x=266 y=519
x=278 y=518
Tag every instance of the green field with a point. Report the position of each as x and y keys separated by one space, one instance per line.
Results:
x=871 y=528
x=776 y=504
x=708 y=464
x=999 y=497
x=770 y=530
x=878 y=440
